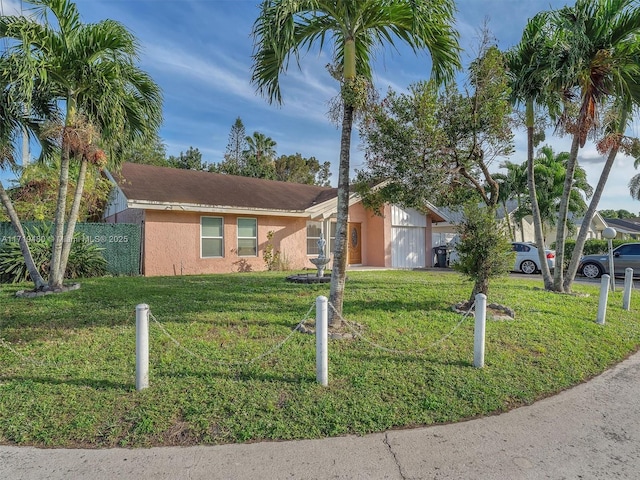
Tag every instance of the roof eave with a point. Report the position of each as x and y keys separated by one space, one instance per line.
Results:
x=329 y=207
x=188 y=207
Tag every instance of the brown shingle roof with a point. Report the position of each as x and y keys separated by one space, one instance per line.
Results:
x=177 y=186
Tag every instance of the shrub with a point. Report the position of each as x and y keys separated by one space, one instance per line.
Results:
x=484 y=248
x=85 y=259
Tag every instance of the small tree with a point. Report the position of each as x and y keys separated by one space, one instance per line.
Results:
x=234 y=157
x=191 y=160
x=484 y=248
x=297 y=169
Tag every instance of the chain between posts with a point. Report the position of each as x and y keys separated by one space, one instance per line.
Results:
x=269 y=352
x=26 y=358
x=238 y=363
x=402 y=352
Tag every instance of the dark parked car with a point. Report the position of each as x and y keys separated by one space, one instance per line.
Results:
x=624 y=256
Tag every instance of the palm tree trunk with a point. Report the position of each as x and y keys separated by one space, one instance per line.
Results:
x=55 y=279
x=73 y=217
x=339 y=269
x=34 y=273
x=535 y=210
x=572 y=270
x=563 y=213
x=521 y=223
x=507 y=216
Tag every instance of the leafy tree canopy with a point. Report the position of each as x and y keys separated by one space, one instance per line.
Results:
x=150 y=151
x=436 y=146
x=35 y=194
x=191 y=160
x=296 y=168
x=617 y=214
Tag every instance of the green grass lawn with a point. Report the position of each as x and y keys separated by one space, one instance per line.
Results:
x=67 y=362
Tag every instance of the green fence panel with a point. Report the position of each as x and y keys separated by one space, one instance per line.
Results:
x=120 y=243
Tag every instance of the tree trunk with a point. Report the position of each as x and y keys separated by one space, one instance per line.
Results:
x=34 y=273
x=73 y=217
x=55 y=279
x=535 y=210
x=507 y=216
x=339 y=269
x=572 y=270
x=481 y=286
x=563 y=212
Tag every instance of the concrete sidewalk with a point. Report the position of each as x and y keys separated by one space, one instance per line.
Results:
x=589 y=432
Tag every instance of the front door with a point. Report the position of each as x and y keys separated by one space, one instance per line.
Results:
x=354 y=242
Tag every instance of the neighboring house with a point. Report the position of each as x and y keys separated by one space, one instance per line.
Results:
x=444 y=232
x=523 y=231
x=596 y=227
x=196 y=222
x=628 y=228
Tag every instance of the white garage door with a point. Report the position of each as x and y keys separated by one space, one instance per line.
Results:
x=408 y=234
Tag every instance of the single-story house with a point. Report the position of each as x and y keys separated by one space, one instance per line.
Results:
x=196 y=222
x=521 y=231
x=445 y=231
x=626 y=228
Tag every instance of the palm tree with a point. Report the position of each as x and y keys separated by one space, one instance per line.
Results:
x=513 y=186
x=613 y=141
x=550 y=170
x=528 y=74
x=16 y=122
x=89 y=70
x=355 y=27
x=634 y=184
x=259 y=156
x=595 y=60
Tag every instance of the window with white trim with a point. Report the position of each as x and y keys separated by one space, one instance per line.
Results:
x=247 y=237
x=211 y=237
x=314 y=229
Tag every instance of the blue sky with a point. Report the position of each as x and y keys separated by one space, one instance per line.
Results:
x=199 y=52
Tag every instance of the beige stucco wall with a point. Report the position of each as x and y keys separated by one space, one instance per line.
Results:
x=375 y=238
x=172 y=244
x=172 y=241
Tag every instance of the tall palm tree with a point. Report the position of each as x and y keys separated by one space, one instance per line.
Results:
x=595 y=60
x=634 y=184
x=261 y=146
x=550 y=170
x=16 y=122
x=529 y=83
x=513 y=186
x=613 y=141
x=89 y=70
x=259 y=157
x=356 y=28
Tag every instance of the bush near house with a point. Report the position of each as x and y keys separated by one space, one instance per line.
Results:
x=85 y=258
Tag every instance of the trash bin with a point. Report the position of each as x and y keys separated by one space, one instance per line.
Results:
x=440 y=255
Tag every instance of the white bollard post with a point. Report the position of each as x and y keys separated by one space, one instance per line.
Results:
x=142 y=346
x=628 y=286
x=322 y=334
x=604 y=297
x=479 y=329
